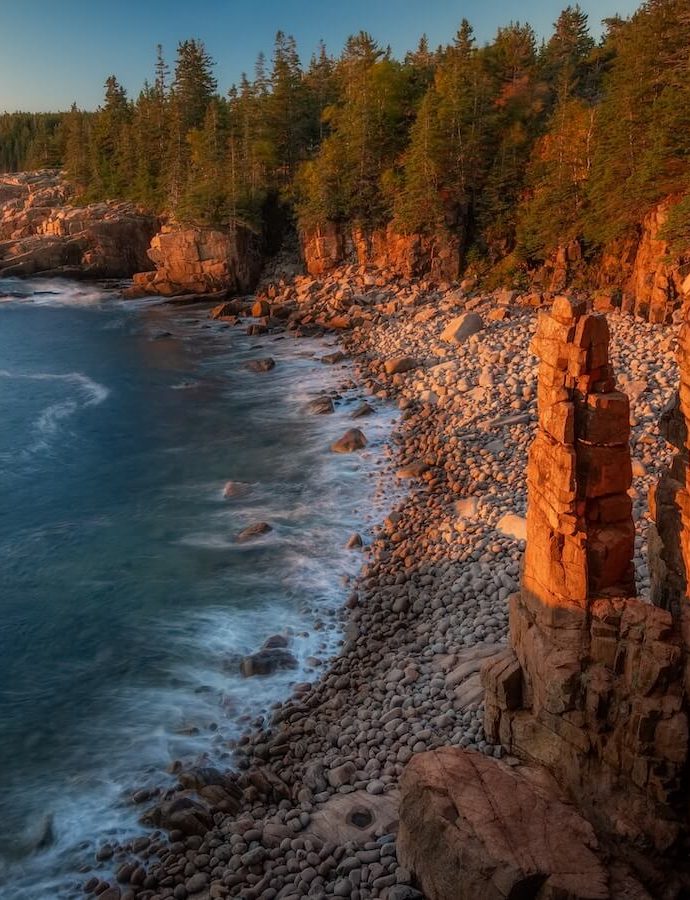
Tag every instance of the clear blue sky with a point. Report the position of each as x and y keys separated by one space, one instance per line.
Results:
x=53 y=52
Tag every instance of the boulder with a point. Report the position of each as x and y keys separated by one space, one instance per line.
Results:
x=413 y=470
x=183 y=813
x=331 y=359
x=513 y=526
x=265 y=364
x=252 y=532
x=473 y=827
x=352 y=440
x=261 y=308
x=461 y=328
x=227 y=310
x=357 y=816
x=400 y=364
x=364 y=409
x=267 y=661
x=321 y=406
x=235 y=489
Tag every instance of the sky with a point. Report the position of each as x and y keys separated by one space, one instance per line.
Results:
x=56 y=52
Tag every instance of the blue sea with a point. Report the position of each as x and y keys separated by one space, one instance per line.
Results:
x=125 y=602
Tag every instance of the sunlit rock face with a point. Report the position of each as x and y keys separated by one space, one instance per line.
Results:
x=43 y=232
x=326 y=246
x=195 y=260
x=592 y=685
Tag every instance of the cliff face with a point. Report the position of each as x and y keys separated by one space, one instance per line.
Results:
x=41 y=233
x=648 y=275
x=201 y=261
x=639 y=274
x=411 y=256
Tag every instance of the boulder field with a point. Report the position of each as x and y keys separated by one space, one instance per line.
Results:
x=485 y=696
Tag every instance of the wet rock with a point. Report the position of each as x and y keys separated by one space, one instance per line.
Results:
x=364 y=409
x=264 y=364
x=183 y=814
x=227 y=310
x=235 y=489
x=267 y=661
x=321 y=406
x=331 y=359
x=352 y=440
x=252 y=532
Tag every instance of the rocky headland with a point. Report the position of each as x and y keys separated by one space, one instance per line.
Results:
x=464 y=743
x=42 y=231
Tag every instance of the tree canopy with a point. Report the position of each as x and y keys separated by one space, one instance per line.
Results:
x=517 y=147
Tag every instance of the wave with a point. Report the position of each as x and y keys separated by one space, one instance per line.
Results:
x=96 y=393
x=49 y=420
x=52 y=292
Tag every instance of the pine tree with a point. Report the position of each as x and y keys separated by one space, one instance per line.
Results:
x=194 y=85
x=551 y=212
x=111 y=161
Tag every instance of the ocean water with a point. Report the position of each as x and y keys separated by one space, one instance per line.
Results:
x=125 y=603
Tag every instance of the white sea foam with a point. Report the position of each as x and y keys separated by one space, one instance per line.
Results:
x=95 y=393
x=49 y=420
x=48 y=423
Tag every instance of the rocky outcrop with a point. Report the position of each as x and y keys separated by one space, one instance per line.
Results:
x=472 y=827
x=438 y=257
x=196 y=260
x=42 y=234
x=592 y=686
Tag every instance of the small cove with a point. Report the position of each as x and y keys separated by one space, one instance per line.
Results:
x=126 y=604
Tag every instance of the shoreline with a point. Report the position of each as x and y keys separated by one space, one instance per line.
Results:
x=316 y=789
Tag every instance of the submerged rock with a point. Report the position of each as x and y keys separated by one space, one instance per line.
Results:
x=265 y=364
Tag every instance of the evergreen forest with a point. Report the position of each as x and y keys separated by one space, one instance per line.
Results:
x=519 y=145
